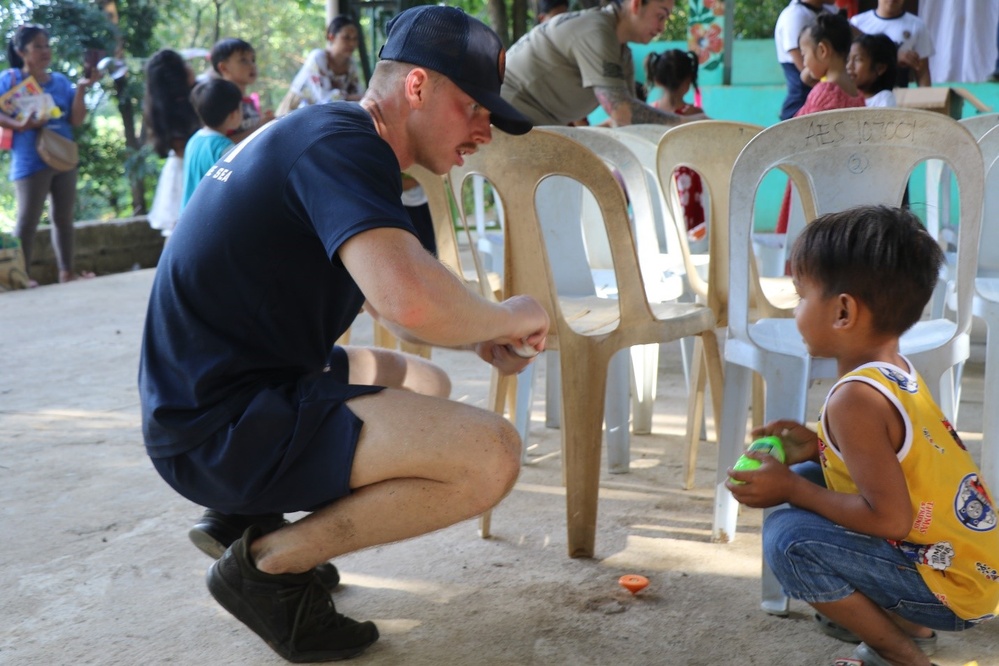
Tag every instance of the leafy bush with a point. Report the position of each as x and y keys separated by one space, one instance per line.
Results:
x=754 y=19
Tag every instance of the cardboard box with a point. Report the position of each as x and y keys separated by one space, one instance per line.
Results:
x=941 y=99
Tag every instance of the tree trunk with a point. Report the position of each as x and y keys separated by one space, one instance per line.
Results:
x=498 y=19
x=519 y=9
x=127 y=111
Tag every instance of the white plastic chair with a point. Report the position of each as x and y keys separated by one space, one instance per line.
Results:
x=662 y=281
x=564 y=200
x=587 y=330
x=842 y=158
x=980 y=124
x=985 y=305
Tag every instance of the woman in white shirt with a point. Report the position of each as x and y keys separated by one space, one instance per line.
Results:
x=330 y=74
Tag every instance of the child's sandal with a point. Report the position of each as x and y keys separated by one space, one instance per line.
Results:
x=864 y=655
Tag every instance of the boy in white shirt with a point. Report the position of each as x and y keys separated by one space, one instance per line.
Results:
x=915 y=46
x=797 y=16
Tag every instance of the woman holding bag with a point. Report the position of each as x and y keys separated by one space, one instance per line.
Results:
x=29 y=54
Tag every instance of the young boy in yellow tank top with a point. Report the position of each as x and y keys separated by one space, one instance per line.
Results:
x=900 y=537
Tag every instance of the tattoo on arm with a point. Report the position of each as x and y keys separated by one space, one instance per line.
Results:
x=620 y=104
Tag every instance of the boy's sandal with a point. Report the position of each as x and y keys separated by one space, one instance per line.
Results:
x=928 y=644
x=863 y=655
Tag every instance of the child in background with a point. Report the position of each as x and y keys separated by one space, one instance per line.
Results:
x=219 y=105
x=235 y=60
x=900 y=536
x=825 y=46
x=915 y=44
x=169 y=120
x=330 y=74
x=673 y=73
x=871 y=65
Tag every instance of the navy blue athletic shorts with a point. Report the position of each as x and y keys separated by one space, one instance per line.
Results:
x=291 y=449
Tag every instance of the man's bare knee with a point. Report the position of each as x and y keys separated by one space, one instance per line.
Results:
x=384 y=367
x=497 y=469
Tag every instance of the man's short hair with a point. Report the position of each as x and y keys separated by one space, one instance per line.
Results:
x=548 y=6
x=224 y=48
x=880 y=255
x=214 y=100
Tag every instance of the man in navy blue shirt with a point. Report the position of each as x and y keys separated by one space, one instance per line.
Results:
x=248 y=407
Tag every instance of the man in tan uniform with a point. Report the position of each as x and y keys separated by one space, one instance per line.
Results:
x=564 y=68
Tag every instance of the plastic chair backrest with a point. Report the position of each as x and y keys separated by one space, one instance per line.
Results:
x=709 y=147
x=643 y=141
x=980 y=124
x=988 y=252
x=850 y=157
x=516 y=166
x=630 y=170
x=436 y=189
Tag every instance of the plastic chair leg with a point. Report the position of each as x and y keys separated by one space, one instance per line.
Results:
x=774 y=601
x=645 y=370
x=582 y=419
x=731 y=443
x=616 y=411
x=553 y=391
x=695 y=410
x=617 y=405
x=522 y=410
x=786 y=398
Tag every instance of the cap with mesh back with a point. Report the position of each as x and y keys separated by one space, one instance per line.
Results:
x=462 y=48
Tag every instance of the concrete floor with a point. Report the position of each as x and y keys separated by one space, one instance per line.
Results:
x=96 y=567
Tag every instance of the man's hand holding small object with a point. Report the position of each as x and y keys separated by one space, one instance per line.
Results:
x=523 y=350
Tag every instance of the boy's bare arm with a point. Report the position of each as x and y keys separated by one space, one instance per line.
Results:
x=868 y=431
x=801 y=443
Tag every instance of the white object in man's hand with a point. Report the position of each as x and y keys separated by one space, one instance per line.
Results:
x=523 y=351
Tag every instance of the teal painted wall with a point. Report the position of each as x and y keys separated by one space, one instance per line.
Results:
x=755 y=96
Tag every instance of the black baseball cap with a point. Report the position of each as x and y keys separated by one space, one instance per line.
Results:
x=462 y=48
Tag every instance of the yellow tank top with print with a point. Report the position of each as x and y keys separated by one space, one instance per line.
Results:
x=954 y=540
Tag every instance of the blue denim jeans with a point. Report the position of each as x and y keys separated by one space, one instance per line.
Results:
x=818 y=561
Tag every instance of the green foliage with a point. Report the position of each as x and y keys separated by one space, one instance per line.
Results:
x=101 y=190
x=73 y=28
x=754 y=19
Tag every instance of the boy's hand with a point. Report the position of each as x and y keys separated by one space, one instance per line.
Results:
x=770 y=485
x=267 y=116
x=801 y=443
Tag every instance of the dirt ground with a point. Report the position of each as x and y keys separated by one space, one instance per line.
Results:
x=96 y=567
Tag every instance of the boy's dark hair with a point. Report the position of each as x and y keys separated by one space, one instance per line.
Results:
x=882 y=51
x=19 y=41
x=224 y=48
x=880 y=255
x=338 y=23
x=834 y=29
x=214 y=100
x=670 y=68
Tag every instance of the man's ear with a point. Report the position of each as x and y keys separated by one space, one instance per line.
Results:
x=417 y=87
